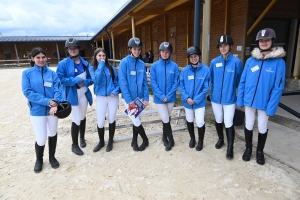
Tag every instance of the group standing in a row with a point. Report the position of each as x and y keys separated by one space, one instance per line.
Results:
x=260 y=86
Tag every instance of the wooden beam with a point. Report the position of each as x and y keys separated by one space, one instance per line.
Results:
x=120 y=21
x=147 y=12
x=175 y=4
x=142 y=5
x=145 y=19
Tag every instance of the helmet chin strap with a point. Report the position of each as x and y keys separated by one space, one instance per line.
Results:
x=133 y=55
x=195 y=63
x=74 y=56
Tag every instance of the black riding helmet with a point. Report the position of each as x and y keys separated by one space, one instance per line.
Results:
x=64 y=109
x=135 y=42
x=166 y=46
x=266 y=33
x=193 y=50
x=72 y=42
x=225 y=39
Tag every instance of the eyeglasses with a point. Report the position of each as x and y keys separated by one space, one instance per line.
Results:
x=72 y=49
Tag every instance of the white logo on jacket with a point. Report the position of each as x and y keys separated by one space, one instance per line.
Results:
x=171 y=72
x=230 y=70
x=201 y=77
x=269 y=70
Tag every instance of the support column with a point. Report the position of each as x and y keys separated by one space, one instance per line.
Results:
x=296 y=73
x=18 y=59
x=206 y=32
x=113 y=44
x=133 y=26
x=57 y=52
x=102 y=40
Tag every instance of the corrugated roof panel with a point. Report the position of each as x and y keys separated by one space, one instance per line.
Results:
x=42 y=38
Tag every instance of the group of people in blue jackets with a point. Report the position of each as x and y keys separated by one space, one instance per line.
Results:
x=256 y=88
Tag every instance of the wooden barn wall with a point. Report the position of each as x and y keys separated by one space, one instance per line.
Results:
x=50 y=47
x=237 y=27
x=174 y=27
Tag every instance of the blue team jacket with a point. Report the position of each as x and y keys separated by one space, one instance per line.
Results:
x=225 y=78
x=66 y=72
x=164 y=76
x=194 y=84
x=263 y=81
x=132 y=79
x=39 y=86
x=104 y=85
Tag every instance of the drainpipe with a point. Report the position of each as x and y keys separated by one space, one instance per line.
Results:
x=197 y=22
x=297 y=59
x=271 y=4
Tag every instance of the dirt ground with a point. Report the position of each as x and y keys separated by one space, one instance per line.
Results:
x=181 y=173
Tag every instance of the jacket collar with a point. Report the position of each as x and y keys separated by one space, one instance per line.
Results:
x=277 y=52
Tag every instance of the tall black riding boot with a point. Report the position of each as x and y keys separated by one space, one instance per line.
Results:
x=164 y=136
x=52 y=141
x=39 y=151
x=262 y=138
x=74 y=133
x=134 y=142
x=140 y=129
x=169 y=132
x=219 y=128
x=230 y=133
x=248 y=138
x=82 y=133
x=190 y=126
x=201 y=132
x=101 y=139
x=112 y=128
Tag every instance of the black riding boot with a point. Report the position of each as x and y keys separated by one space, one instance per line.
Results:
x=82 y=133
x=201 y=132
x=219 y=128
x=170 y=143
x=112 y=128
x=134 y=142
x=52 y=141
x=248 y=138
x=39 y=151
x=190 y=126
x=164 y=136
x=262 y=138
x=142 y=133
x=101 y=138
x=230 y=133
x=74 y=133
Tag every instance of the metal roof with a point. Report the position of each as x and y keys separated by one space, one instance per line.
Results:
x=16 y=39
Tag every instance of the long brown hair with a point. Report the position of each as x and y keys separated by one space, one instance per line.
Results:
x=35 y=51
x=95 y=62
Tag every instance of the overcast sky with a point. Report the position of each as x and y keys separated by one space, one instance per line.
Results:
x=56 y=17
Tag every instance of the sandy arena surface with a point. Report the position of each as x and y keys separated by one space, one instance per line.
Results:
x=181 y=173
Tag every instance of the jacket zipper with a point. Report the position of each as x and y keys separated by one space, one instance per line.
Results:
x=222 y=82
x=136 y=81
x=257 y=82
x=165 y=79
x=105 y=83
x=44 y=88
x=194 y=85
